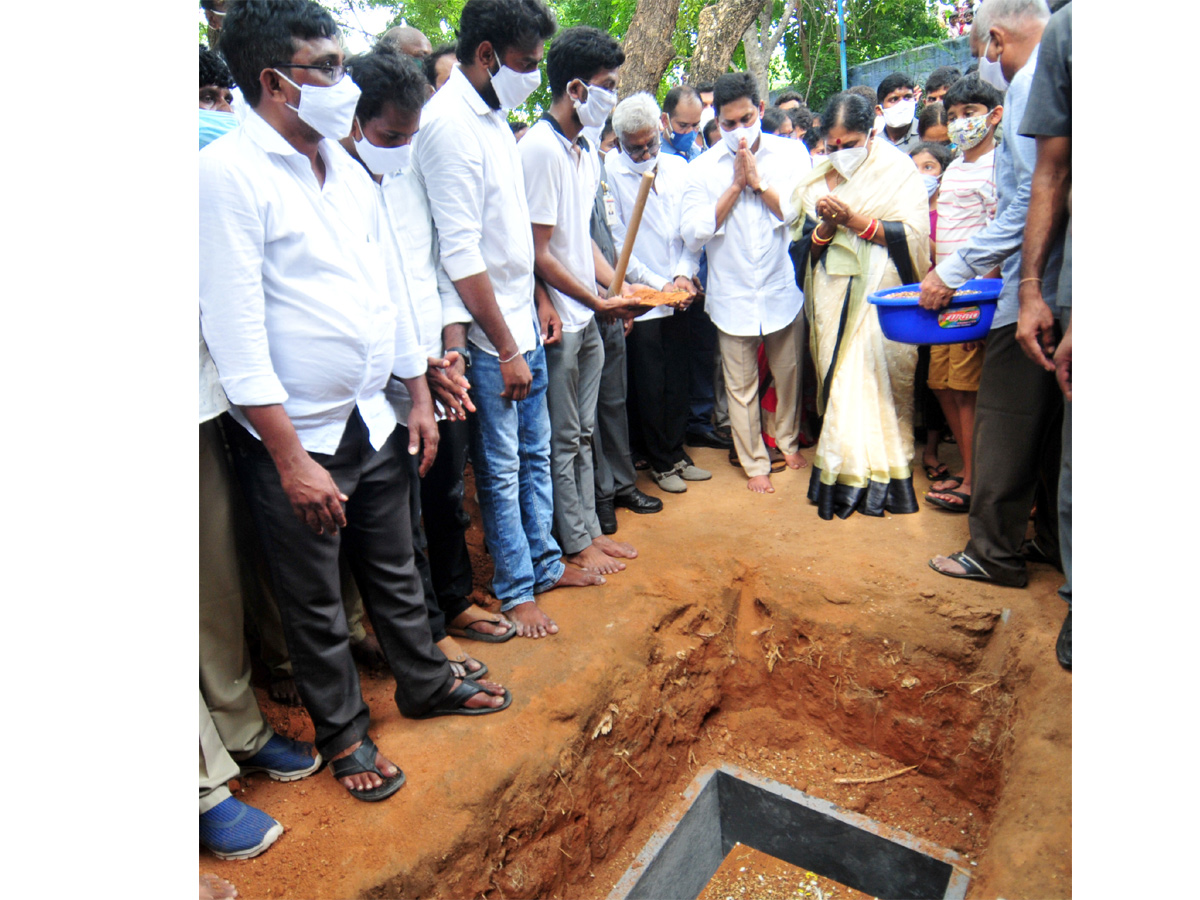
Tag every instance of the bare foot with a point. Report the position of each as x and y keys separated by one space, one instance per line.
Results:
x=364 y=781
x=948 y=566
x=949 y=483
x=214 y=888
x=284 y=691
x=592 y=559
x=458 y=657
x=531 y=621
x=615 y=548
x=369 y=653
x=476 y=618
x=795 y=460
x=572 y=577
x=491 y=695
x=760 y=484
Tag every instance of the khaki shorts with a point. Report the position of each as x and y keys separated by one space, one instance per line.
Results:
x=953 y=368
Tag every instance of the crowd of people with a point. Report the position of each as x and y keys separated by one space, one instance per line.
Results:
x=396 y=278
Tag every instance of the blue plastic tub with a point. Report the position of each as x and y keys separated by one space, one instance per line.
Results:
x=967 y=318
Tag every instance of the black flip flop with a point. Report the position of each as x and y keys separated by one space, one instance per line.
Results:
x=452 y=703
x=938 y=474
x=466 y=673
x=362 y=761
x=963 y=507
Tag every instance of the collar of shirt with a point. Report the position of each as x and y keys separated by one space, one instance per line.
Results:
x=578 y=146
x=459 y=85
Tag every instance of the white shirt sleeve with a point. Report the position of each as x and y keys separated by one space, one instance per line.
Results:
x=232 y=306
x=451 y=163
x=408 y=361
x=638 y=271
x=543 y=186
x=698 y=210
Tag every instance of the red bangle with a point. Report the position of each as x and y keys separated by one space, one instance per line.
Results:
x=872 y=227
x=818 y=240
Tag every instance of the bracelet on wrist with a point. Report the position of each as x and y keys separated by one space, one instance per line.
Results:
x=817 y=239
x=1023 y=280
x=510 y=359
x=869 y=231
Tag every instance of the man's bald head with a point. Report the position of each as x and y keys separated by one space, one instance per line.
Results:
x=408 y=41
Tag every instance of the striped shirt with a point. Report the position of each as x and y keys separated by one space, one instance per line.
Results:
x=966 y=202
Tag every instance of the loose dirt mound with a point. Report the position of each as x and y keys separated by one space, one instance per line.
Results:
x=821 y=654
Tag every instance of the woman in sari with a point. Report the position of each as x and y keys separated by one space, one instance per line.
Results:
x=863 y=227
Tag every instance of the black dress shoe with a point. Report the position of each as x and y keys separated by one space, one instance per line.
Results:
x=607 y=516
x=1063 y=647
x=708 y=439
x=638 y=502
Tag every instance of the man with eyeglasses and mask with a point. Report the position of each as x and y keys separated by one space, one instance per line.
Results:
x=467 y=159
x=296 y=265
x=560 y=186
x=658 y=343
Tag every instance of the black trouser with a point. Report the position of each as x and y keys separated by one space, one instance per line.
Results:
x=659 y=365
x=702 y=366
x=303 y=567
x=1018 y=446
x=615 y=474
x=441 y=545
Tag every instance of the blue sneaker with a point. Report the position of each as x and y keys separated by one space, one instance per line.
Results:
x=233 y=830
x=283 y=759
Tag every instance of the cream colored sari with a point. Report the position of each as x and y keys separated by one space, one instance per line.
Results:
x=865 y=451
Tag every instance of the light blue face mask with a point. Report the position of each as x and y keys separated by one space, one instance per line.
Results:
x=932 y=183
x=683 y=142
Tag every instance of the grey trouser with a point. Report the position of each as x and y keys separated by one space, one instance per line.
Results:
x=614 y=463
x=574 y=365
x=231 y=725
x=1018 y=431
x=739 y=361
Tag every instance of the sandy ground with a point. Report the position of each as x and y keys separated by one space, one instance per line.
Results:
x=748 y=630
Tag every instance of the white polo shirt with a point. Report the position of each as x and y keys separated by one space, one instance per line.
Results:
x=560 y=186
x=751 y=281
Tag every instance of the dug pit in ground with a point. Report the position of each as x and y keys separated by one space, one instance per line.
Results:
x=824 y=655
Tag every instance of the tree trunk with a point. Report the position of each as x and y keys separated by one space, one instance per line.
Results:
x=719 y=29
x=760 y=41
x=648 y=47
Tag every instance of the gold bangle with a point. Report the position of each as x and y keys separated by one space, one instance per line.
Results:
x=1023 y=280
x=817 y=239
x=863 y=233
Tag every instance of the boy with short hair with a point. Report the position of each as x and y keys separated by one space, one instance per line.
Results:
x=966 y=203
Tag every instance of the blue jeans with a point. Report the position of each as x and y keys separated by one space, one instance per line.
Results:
x=510 y=450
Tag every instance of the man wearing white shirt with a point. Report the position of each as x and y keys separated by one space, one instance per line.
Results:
x=658 y=345
x=297 y=288
x=735 y=204
x=560 y=187
x=467 y=159
x=386 y=120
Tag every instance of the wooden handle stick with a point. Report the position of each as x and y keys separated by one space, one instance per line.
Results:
x=635 y=220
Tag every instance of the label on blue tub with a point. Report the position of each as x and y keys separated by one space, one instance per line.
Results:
x=959 y=317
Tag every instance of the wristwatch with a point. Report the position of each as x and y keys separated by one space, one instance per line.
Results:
x=463 y=352
x=762 y=186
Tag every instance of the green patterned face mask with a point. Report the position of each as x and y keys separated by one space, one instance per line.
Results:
x=967 y=133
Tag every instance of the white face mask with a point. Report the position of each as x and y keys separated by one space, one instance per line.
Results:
x=847 y=161
x=327 y=108
x=593 y=112
x=513 y=88
x=644 y=166
x=750 y=133
x=592 y=134
x=991 y=72
x=900 y=114
x=383 y=160
x=878 y=124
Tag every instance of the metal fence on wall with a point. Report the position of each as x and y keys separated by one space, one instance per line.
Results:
x=917 y=63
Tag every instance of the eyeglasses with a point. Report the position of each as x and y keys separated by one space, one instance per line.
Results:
x=640 y=151
x=331 y=73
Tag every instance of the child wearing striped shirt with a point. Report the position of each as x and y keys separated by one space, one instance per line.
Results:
x=966 y=203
